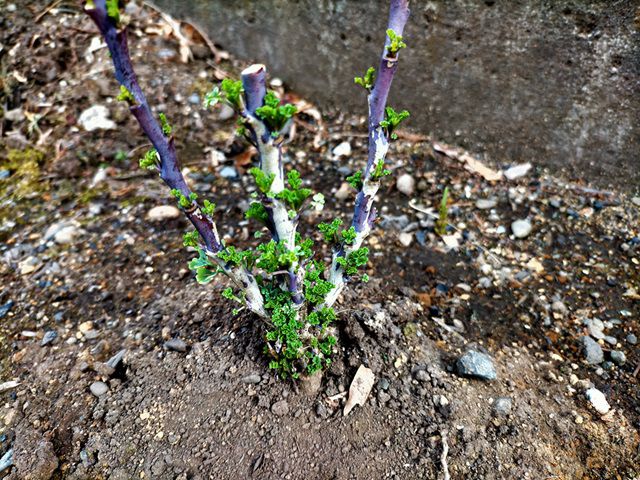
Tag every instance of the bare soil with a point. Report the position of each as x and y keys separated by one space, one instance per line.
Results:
x=215 y=410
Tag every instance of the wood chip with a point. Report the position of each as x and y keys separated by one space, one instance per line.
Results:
x=360 y=388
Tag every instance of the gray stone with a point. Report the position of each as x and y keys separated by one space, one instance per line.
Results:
x=406 y=184
x=49 y=336
x=586 y=53
x=176 y=344
x=521 y=228
x=636 y=201
x=486 y=203
x=595 y=327
x=517 y=171
x=229 y=172
x=476 y=364
x=163 y=212
x=592 y=350
x=252 y=379
x=502 y=405
x=280 y=408
x=618 y=357
x=99 y=388
x=632 y=339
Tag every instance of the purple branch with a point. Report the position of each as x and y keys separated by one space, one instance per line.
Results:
x=116 y=40
x=254 y=83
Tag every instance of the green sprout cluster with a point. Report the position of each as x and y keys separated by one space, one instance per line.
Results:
x=166 y=127
x=368 y=80
x=150 y=159
x=274 y=115
x=183 y=201
x=392 y=119
x=113 y=10
x=395 y=44
x=126 y=96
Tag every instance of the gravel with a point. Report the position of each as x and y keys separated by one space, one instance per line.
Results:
x=476 y=364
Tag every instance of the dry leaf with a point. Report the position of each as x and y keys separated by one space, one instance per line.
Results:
x=360 y=388
x=471 y=164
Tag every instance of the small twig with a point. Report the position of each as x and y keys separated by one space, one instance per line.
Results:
x=51 y=6
x=443 y=456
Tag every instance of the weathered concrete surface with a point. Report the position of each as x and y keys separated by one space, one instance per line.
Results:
x=555 y=82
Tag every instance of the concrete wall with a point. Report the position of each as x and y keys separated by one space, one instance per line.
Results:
x=552 y=82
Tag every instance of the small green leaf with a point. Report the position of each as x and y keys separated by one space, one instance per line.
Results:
x=368 y=80
x=208 y=208
x=190 y=239
x=113 y=10
x=392 y=119
x=166 y=127
x=330 y=230
x=212 y=98
x=150 y=159
x=126 y=96
x=349 y=235
x=232 y=90
x=263 y=181
x=274 y=115
x=355 y=180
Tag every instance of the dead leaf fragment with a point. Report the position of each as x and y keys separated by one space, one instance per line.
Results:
x=471 y=164
x=360 y=389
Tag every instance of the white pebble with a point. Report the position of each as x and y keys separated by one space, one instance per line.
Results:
x=342 y=150
x=163 y=212
x=598 y=400
x=406 y=184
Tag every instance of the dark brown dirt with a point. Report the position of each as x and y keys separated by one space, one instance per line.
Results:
x=216 y=411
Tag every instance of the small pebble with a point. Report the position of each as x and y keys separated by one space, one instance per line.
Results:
x=502 y=405
x=49 y=336
x=592 y=350
x=476 y=364
x=618 y=357
x=517 y=171
x=99 y=388
x=598 y=400
x=176 y=344
x=280 y=408
x=486 y=203
x=406 y=184
x=342 y=150
x=229 y=172
x=632 y=339
x=521 y=228
x=252 y=379
x=163 y=212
